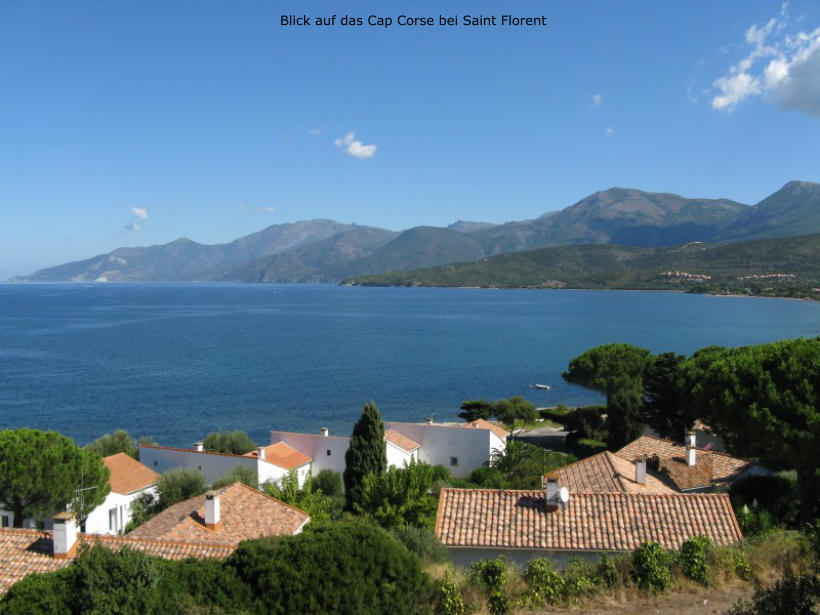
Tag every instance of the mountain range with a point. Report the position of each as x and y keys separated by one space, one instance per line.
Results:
x=329 y=251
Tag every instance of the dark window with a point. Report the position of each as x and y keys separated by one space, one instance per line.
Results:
x=453 y=461
x=155 y=463
x=6 y=521
x=328 y=452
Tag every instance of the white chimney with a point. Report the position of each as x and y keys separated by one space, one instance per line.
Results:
x=64 y=536
x=213 y=515
x=429 y=420
x=324 y=431
x=690 y=455
x=260 y=452
x=199 y=447
x=691 y=439
x=551 y=489
x=640 y=470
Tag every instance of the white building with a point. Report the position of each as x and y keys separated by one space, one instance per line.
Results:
x=128 y=479
x=271 y=463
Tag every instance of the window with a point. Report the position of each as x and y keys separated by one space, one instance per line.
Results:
x=454 y=461
x=155 y=463
x=328 y=452
x=112 y=519
x=5 y=520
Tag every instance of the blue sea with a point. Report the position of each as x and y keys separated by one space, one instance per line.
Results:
x=176 y=361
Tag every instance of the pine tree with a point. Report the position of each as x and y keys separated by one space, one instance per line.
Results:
x=366 y=455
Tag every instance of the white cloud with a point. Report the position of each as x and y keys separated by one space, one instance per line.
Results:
x=597 y=99
x=315 y=132
x=783 y=69
x=132 y=226
x=243 y=211
x=140 y=212
x=355 y=148
x=610 y=132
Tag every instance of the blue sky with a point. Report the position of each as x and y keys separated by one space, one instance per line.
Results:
x=134 y=123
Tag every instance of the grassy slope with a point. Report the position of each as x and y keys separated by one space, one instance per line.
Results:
x=621 y=267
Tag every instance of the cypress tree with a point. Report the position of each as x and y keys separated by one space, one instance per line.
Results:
x=366 y=455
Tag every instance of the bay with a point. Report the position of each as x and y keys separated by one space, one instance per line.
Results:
x=176 y=361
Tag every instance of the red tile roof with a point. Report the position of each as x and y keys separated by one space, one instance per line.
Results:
x=607 y=473
x=128 y=474
x=245 y=513
x=23 y=552
x=721 y=467
x=403 y=442
x=283 y=456
x=493 y=427
x=506 y=519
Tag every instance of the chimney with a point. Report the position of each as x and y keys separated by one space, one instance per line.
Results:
x=549 y=484
x=64 y=537
x=260 y=452
x=640 y=470
x=199 y=447
x=429 y=420
x=324 y=431
x=690 y=455
x=213 y=518
x=691 y=439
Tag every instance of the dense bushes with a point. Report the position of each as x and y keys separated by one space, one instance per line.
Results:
x=342 y=568
x=695 y=556
x=651 y=567
x=761 y=502
x=234 y=442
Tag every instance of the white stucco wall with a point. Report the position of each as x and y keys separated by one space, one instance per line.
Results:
x=398 y=457
x=439 y=443
x=269 y=472
x=317 y=446
x=98 y=522
x=212 y=465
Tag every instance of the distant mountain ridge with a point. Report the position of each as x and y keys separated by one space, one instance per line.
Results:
x=328 y=251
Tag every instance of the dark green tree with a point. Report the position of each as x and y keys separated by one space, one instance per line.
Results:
x=238 y=474
x=235 y=442
x=366 y=454
x=663 y=409
x=113 y=443
x=177 y=485
x=764 y=401
x=401 y=497
x=515 y=411
x=43 y=472
x=476 y=409
x=616 y=370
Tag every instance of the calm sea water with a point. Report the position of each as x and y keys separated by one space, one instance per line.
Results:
x=176 y=361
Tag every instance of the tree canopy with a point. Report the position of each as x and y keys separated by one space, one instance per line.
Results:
x=763 y=401
x=476 y=409
x=113 y=443
x=663 y=407
x=235 y=442
x=43 y=472
x=366 y=455
x=617 y=370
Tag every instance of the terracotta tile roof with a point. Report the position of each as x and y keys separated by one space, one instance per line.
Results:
x=607 y=473
x=283 y=455
x=128 y=474
x=498 y=518
x=493 y=427
x=724 y=468
x=23 y=552
x=686 y=477
x=245 y=513
x=400 y=440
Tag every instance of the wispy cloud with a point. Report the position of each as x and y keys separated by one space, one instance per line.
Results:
x=353 y=147
x=597 y=99
x=610 y=132
x=315 y=132
x=137 y=214
x=781 y=67
x=243 y=211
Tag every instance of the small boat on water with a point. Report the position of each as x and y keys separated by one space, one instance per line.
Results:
x=543 y=387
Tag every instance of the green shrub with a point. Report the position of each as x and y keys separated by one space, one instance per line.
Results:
x=608 y=570
x=234 y=442
x=579 y=579
x=498 y=604
x=695 y=555
x=487 y=478
x=546 y=585
x=177 y=485
x=741 y=566
x=39 y=593
x=238 y=474
x=422 y=542
x=450 y=601
x=791 y=595
x=328 y=482
x=113 y=443
x=491 y=574
x=651 y=567
x=335 y=567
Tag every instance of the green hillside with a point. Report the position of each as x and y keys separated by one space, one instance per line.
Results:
x=776 y=267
